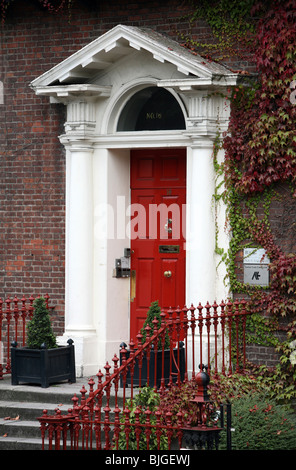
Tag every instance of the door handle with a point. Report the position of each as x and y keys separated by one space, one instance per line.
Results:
x=167 y=273
x=167 y=228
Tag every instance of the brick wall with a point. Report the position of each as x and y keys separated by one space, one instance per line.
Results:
x=32 y=192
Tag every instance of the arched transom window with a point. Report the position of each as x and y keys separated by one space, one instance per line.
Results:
x=151 y=109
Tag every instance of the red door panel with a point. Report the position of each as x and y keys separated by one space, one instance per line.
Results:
x=158 y=198
x=158 y=168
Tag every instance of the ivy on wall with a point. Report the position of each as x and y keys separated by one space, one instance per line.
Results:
x=232 y=26
x=260 y=152
x=260 y=157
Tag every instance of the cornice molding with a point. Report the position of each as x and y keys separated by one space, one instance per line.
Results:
x=101 y=54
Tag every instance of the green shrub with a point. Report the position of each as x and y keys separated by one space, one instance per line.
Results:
x=39 y=329
x=154 y=312
x=260 y=423
x=146 y=399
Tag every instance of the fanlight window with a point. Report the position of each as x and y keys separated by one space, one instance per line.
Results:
x=151 y=109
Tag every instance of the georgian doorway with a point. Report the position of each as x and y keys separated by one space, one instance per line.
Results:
x=112 y=89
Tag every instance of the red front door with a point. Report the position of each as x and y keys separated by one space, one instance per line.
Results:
x=158 y=198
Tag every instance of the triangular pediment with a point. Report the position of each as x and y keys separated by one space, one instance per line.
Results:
x=83 y=66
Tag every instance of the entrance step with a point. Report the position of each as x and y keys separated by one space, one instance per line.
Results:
x=21 y=405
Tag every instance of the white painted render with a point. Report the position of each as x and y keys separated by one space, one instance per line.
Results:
x=95 y=84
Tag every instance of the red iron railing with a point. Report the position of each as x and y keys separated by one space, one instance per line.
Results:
x=102 y=419
x=14 y=316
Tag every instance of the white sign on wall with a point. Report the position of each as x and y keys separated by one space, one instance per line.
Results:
x=255 y=256
x=256 y=270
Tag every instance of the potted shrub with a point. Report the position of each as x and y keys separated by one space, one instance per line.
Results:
x=152 y=314
x=42 y=361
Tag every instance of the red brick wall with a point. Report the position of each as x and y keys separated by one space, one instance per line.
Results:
x=32 y=192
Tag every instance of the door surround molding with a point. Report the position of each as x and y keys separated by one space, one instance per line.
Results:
x=94 y=84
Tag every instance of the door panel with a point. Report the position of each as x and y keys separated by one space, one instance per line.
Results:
x=158 y=197
x=152 y=168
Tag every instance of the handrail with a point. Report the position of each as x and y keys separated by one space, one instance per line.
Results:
x=119 y=370
x=231 y=314
x=220 y=327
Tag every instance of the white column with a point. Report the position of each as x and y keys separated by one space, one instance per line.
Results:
x=79 y=240
x=200 y=239
x=79 y=324
x=78 y=141
x=207 y=117
x=201 y=266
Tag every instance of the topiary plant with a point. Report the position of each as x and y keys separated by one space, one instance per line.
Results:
x=39 y=329
x=154 y=312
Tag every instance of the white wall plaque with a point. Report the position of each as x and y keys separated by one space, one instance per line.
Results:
x=256 y=274
x=255 y=256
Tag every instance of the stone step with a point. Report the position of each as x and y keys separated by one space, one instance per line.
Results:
x=25 y=410
x=22 y=405
x=20 y=443
x=53 y=394
x=61 y=393
x=22 y=434
x=20 y=428
x=19 y=425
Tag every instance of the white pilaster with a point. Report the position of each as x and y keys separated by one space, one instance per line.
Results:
x=79 y=324
x=79 y=321
x=80 y=240
x=207 y=119
x=200 y=240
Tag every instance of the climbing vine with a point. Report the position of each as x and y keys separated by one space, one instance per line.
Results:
x=260 y=156
x=232 y=27
x=260 y=159
x=260 y=150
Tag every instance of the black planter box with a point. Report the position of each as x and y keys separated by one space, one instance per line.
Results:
x=136 y=377
x=43 y=366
